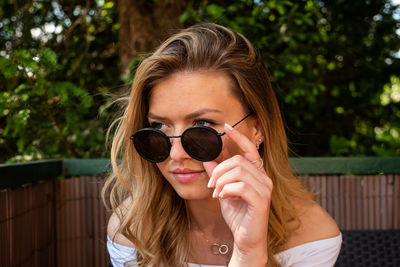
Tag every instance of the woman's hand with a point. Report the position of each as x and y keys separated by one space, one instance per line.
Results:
x=244 y=190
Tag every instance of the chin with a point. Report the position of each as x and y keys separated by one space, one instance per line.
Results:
x=194 y=195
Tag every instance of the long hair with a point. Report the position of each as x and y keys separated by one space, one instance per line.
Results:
x=156 y=219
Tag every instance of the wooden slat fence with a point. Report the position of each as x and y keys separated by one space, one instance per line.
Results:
x=55 y=223
x=27 y=226
x=63 y=222
x=359 y=202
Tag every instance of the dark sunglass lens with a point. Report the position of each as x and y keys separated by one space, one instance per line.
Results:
x=152 y=145
x=202 y=144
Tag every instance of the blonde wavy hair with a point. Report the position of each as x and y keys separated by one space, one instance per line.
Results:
x=153 y=217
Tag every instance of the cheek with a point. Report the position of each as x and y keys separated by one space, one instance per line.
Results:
x=229 y=150
x=163 y=167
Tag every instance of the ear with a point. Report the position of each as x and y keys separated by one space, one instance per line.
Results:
x=258 y=133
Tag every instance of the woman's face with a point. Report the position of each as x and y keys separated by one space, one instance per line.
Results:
x=187 y=99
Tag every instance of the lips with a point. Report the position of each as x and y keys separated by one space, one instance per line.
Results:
x=186 y=175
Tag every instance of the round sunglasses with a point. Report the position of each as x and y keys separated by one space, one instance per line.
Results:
x=200 y=142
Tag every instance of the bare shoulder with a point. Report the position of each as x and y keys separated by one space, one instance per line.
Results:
x=113 y=226
x=315 y=224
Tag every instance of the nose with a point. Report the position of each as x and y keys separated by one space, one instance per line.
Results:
x=177 y=152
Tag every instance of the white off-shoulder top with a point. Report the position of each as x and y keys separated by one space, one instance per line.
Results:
x=320 y=253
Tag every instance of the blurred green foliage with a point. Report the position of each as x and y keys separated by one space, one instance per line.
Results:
x=58 y=63
x=334 y=66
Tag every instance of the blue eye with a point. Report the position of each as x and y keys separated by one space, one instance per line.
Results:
x=157 y=125
x=204 y=123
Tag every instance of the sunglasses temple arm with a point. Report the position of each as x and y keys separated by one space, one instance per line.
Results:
x=248 y=115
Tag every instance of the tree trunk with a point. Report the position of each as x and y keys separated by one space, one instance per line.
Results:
x=144 y=24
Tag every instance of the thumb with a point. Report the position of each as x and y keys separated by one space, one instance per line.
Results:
x=209 y=167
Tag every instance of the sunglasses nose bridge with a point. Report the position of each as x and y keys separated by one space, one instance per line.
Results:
x=172 y=138
x=177 y=151
x=176 y=135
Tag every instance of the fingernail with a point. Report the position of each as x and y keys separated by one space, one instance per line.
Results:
x=215 y=193
x=228 y=126
x=220 y=195
x=210 y=182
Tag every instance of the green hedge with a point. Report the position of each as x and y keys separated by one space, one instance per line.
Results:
x=20 y=174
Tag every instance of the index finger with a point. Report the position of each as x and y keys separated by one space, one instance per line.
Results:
x=249 y=149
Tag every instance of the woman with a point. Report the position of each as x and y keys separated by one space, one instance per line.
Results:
x=204 y=177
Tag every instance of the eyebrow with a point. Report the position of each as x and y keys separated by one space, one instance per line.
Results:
x=192 y=115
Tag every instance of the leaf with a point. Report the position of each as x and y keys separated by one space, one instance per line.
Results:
x=8 y=68
x=47 y=58
x=75 y=100
x=215 y=10
x=21 y=87
x=21 y=145
x=23 y=55
x=184 y=17
x=281 y=9
x=309 y=21
x=108 y=4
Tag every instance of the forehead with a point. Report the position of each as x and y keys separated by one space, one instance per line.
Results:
x=185 y=92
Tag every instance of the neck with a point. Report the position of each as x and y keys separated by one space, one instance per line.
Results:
x=210 y=233
x=205 y=215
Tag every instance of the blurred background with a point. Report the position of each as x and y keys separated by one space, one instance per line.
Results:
x=334 y=65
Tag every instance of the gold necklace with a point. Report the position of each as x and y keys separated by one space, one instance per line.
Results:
x=217 y=248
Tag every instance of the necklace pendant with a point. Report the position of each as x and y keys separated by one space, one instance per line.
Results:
x=223 y=249
x=218 y=249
